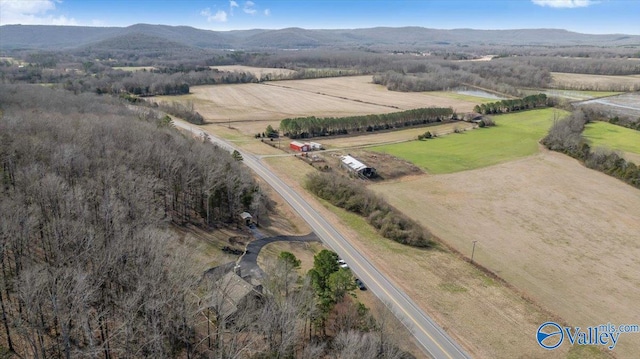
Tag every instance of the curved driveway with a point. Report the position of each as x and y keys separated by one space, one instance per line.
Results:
x=249 y=261
x=432 y=339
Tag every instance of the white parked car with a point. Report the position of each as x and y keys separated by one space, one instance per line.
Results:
x=342 y=263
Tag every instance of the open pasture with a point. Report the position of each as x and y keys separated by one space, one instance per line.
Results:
x=565 y=235
x=603 y=134
x=594 y=82
x=515 y=135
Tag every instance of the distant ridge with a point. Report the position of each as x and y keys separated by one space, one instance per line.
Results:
x=47 y=37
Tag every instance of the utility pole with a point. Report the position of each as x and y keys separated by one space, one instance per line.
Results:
x=473 y=251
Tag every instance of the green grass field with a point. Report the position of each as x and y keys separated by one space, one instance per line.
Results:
x=514 y=136
x=603 y=134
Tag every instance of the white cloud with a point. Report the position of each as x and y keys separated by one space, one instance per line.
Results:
x=564 y=3
x=32 y=12
x=232 y=4
x=248 y=8
x=219 y=16
x=267 y=12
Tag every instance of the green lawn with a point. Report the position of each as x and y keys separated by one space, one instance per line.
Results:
x=604 y=134
x=515 y=135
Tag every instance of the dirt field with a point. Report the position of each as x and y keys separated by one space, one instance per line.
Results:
x=249 y=108
x=259 y=72
x=489 y=319
x=569 y=237
x=361 y=89
x=593 y=82
x=391 y=136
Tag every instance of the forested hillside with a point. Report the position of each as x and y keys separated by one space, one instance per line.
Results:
x=88 y=190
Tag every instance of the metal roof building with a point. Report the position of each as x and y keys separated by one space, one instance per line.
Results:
x=357 y=166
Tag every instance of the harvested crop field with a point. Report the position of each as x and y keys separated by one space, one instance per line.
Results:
x=567 y=236
x=595 y=82
x=362 y=89
x=259 y=72
x=251 y=107
x=376 y=138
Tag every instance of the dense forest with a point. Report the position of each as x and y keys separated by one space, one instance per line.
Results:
x=92 y=193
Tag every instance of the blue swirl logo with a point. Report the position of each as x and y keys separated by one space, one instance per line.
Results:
x=550 y=335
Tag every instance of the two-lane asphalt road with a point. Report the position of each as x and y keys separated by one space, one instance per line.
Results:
x=430 y=336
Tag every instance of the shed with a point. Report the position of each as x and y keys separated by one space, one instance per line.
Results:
x=246 y=217
x=315 y=146
x=358 y=167
x=299 y=146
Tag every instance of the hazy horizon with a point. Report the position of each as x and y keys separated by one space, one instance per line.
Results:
x=582 y=16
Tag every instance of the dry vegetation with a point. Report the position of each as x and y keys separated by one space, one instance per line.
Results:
x=249 y=108
x=566 y=235
x=259 y=72
x=595 y=82
x=488 y=318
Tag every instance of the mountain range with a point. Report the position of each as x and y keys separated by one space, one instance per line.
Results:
x=44 y=37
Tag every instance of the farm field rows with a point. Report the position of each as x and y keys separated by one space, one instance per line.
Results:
x=567 y=236
x=249 y=108
x=515 y=135
x=592 y=82
x=459 y=296
x=259 y=72
x=362 y=89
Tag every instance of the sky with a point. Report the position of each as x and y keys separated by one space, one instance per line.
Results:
x=586 y=16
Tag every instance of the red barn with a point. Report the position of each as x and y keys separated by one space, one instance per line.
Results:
x=299 y=146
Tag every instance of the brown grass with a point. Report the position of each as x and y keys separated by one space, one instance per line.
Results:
x=488 y=318
x=379 y=138
x=362 y=89
x=249 y=108
x=593 y=82
x=567 y=236
x=259 y=72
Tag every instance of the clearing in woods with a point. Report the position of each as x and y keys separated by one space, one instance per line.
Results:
x=259 y=72
x=568 y=236
x=515 y=135
x=249 y=108
x=593 y=82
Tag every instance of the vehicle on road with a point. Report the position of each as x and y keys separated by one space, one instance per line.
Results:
x=360 y=284
x=342 y=263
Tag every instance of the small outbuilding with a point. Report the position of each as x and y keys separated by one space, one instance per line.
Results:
x=358 y=167
x=315 y=146
x=299 y=146
x=246 y=217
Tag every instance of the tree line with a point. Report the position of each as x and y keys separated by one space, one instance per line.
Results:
x=354 y=197
x=566 y=136
x=513 y=105
x=307 y=127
